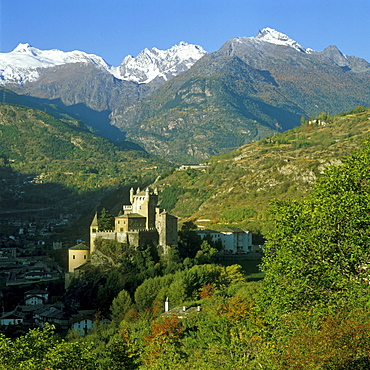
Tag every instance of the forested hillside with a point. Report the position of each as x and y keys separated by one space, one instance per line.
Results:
x=235 y=188
x=60 y=163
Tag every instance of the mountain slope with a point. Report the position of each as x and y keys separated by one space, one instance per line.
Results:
x=251 y=87
x=69 y=167
x=97 y=122
x=76 y=77
x=235 y=188
x=196 y=115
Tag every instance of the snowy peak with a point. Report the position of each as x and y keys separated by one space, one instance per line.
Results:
x=274 y=37
x=24 y=55
x=23 y=48
x=160 y=64
x=23 y=64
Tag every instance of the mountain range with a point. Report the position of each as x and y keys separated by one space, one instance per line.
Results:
x=186 y=105
x=27 y=64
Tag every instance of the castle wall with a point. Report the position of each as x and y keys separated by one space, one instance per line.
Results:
x=140 y=238
x=167 y=228
x=122 y=237
x=110 y=234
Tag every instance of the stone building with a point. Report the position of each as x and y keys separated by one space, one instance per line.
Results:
x=77 y=256
x=141 y=223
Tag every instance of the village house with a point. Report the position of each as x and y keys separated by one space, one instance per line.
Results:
x=11 y=318
x=35 y=297
x=83 y=321
x=234 y=240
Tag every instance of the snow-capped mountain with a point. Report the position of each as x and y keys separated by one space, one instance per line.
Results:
x=253 y=85
x=25 y=63
x=274 y=37
x=155 y=63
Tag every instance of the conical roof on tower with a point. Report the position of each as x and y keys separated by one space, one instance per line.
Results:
x=95 y=220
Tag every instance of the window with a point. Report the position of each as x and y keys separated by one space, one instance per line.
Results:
x=84 y=256
x=74 y=257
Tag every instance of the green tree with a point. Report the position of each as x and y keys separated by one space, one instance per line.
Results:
x=121 y=351
x=206 y=254
x=120 y=306
x=105 y=220
x=114 y=283
x=39 y=350
x=147 y=292
x=318 y=251
x=189 y=240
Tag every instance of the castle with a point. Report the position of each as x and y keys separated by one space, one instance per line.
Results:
x=141 y=223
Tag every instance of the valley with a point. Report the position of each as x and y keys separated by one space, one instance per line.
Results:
x=185 y=209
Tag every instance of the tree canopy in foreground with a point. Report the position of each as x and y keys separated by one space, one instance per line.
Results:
x=318 y=253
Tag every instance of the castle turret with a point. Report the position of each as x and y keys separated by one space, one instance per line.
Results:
x=132 y=195
x=144 y=203
x=94 y=228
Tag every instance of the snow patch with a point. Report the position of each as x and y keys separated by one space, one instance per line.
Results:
x=275 y=37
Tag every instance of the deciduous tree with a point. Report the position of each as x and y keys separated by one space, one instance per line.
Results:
x=318 y=252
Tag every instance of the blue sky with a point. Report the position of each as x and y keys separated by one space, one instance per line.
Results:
x=113 y=29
